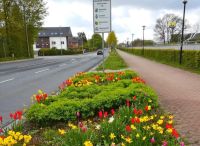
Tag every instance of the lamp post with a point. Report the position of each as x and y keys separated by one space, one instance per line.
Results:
x=127 y=42
x=182 y=36
x=172 y=25
x=132 y=40
x=143 y=27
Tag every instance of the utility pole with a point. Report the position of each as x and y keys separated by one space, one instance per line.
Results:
x=143 y=40
x=103 y=51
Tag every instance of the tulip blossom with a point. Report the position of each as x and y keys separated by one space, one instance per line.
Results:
x=128 y=103
x=105 y=114
x=112 y=111
x=128 y=128
x=1 y=119
x=100 y=114
x=152 y=140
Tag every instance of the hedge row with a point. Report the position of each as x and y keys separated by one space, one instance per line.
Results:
x=53 y=52
x=191 y=58
x=89 y=99
x=63 y=109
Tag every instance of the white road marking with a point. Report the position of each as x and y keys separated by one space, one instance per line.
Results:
x=62 y=65
x=7 y=80
x=41 y=71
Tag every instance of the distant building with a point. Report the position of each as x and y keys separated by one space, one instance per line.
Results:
x=53 y=37
x=74 y=42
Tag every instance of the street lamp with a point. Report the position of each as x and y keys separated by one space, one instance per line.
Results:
x=132 y=40
x=183 y=27
x=143 y=40
x=172 y=25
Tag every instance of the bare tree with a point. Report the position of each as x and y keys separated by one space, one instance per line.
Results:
x=167 y=26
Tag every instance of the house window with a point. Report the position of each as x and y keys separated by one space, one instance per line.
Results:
x=53 y=42
x=62 y=42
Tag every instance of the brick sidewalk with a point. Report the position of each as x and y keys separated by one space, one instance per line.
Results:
x=178 y=90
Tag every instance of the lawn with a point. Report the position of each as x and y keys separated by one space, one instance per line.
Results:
x=113 y=62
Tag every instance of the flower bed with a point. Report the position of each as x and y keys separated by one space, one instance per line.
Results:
x=110 y=109
x=88 y=93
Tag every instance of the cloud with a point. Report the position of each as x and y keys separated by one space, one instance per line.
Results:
x=147 y=4
x=128 y=16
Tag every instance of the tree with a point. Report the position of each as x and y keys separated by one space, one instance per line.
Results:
x=82 y=36
x=164 y=29
x=22 y=20
x=112 y=40
x=95 y=42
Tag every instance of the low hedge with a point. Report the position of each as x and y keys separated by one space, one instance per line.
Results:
x=55 y=52
x=88 y=99
x=65 y=109
x=191 y=58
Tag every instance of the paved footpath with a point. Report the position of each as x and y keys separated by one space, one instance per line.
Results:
x=178 y=90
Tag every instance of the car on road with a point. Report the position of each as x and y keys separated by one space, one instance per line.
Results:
x=99 y=52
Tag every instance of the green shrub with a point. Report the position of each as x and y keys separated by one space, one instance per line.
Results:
x=54 y=51
x=89 y=99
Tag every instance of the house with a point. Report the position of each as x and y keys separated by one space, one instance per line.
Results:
x=74 y=42
x=53 y=37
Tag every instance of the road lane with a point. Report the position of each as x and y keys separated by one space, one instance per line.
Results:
x=51 y=71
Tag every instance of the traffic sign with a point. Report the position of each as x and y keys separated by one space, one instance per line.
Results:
x=102 y=16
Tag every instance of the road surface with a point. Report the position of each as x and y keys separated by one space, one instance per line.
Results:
x=20 y=80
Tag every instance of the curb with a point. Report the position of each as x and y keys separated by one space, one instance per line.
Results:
x=22 y=60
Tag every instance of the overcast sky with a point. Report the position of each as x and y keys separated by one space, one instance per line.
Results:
x=128 y=16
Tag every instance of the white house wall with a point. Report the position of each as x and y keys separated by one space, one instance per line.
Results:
x=58 y=41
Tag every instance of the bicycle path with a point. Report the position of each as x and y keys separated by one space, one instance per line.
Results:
x=178 y=91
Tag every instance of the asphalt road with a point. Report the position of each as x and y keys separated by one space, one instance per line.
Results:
x=20 y=80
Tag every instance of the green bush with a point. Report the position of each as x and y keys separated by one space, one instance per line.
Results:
x=191 y=58
x=89 y=99
x=54 y=51
x=65 y=109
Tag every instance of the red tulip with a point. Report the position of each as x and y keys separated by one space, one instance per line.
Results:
x=84 y=129
x=175 y=133
x=100 y=114
x=128 y=128
x=169 y=126
x=128 y=103
x=105 y=114
x=1 y=131
x=112 y=111
x=1 y=119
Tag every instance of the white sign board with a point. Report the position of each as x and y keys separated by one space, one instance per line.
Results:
x=102 y=16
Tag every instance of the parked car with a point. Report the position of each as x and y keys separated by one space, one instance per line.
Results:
x=99 y=52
